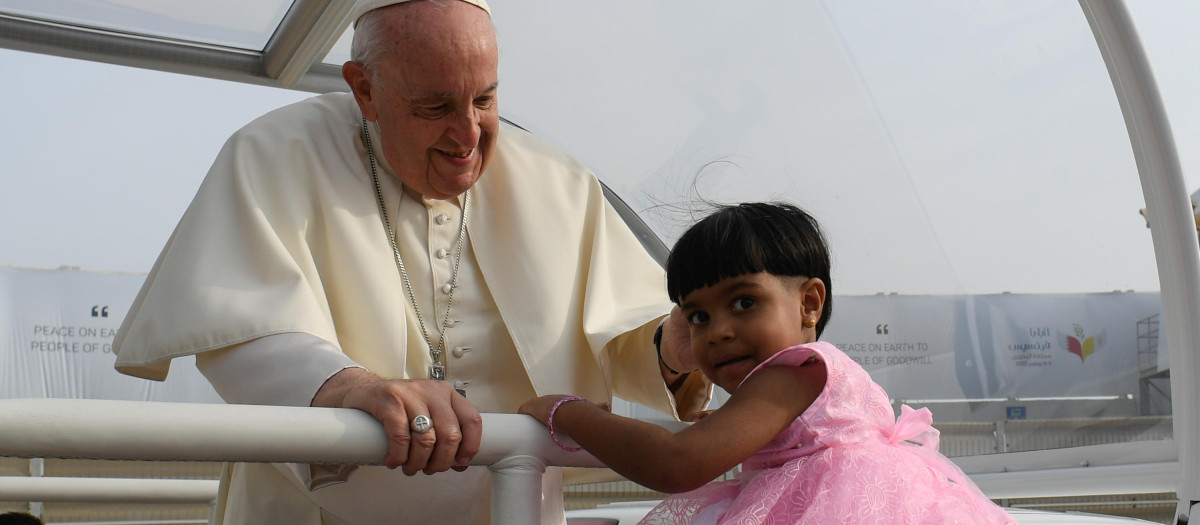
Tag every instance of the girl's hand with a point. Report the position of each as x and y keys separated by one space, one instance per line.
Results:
x=539 y=407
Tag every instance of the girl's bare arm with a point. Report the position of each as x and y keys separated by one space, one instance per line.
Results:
x=654 y=457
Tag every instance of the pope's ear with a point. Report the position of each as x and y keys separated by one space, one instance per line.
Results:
x=812 y=297
x=359 y=80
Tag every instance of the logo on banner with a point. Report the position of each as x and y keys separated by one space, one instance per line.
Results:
x=1035 y=351
x=1080 y=344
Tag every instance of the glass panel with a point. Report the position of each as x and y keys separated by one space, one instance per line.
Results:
x=231 y=23
x=340 y=52
x=1168 y=31
x=968 y=160
x=96 y=173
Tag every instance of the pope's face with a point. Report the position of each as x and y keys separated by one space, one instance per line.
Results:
x=433 y=95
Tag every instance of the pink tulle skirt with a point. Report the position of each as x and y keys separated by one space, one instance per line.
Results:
x=869 y=483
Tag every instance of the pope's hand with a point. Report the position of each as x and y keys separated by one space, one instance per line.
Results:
x=451 y=442
x=676 y=343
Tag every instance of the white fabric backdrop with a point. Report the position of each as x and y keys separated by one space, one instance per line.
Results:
x=1004 y=346
x=56 y=333
x=57 y=326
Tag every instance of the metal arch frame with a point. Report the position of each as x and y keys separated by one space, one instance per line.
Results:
x=307 y=32
x=291 y=59
x=1139 y=466
x=1169 y=212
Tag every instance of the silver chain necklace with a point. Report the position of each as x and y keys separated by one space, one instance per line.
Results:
x=437 y=369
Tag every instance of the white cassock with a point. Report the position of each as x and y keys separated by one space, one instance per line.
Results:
x=280 y=274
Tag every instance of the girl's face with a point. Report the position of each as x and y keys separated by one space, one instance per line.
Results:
x=741 y=321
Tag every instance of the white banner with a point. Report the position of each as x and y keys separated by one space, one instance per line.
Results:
x=974 y=357
x=906 y=342
x=56 y=334
x=1043 y=356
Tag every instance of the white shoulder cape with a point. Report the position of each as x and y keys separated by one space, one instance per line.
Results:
x=284 y=235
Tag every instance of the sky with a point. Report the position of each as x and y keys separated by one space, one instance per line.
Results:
x=947 y=147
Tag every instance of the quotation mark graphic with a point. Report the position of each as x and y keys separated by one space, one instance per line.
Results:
x=99 y=311
x=881 y=329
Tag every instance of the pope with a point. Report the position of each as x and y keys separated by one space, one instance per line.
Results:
x=399 y=250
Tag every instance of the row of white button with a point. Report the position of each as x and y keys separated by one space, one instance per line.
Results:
x=458 y=351
x=442 y=218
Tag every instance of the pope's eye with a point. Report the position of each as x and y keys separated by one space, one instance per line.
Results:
x=434 y=111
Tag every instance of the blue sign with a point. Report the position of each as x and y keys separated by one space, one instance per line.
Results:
x=1015 y=413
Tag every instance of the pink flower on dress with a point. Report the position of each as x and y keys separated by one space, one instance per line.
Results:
x=875 y=492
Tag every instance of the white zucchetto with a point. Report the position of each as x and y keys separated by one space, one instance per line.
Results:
x=364 y=6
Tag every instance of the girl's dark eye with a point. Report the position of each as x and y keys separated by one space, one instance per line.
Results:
x=697 y=317
x=743 y=303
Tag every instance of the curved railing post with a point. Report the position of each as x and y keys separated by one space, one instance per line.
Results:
x=1172 y=226
x=517 y=489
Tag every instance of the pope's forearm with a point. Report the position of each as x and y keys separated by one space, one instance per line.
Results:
x=249 y=373
x=692 y=394
x=671 y=378
x=333 y=391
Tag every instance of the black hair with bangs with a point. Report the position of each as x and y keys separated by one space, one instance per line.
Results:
x=773 y=237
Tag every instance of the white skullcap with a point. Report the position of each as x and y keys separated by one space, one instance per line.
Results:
x=363 y=6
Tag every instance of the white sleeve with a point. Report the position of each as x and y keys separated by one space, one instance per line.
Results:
x=282 y=369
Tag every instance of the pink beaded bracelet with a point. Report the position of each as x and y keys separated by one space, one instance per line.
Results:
x=550 y=423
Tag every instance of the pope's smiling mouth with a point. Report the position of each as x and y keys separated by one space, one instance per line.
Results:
x=456 y=154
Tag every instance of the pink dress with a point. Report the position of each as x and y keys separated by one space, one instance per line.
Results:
x=844 y=460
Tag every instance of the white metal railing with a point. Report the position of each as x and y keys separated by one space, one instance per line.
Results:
x=515 y=447
x=1014 y=399
x=107 y=490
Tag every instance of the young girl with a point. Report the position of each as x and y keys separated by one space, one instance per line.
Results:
x=814 y=434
